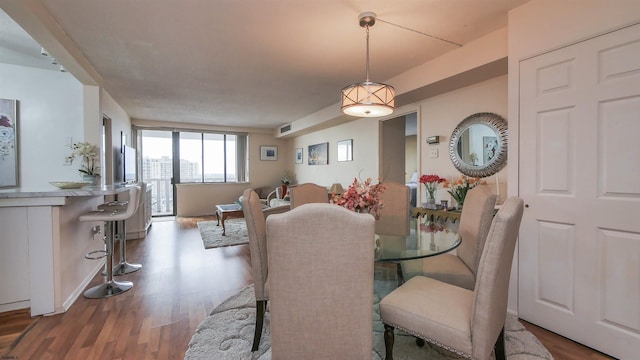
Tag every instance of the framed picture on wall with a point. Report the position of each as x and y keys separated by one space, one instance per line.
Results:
x=9 y=164
x=318 y=154
x=490 y=146
x=299 y=156
x=345 y=150
x=268 y=153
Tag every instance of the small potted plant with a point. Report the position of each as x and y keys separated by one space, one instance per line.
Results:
x=90 y=162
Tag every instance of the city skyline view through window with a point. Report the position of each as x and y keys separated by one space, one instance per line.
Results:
x=157 y=157
x=202 y=158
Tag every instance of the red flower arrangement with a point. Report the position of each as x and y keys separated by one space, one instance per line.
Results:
x=361 y=197
x=431 y=183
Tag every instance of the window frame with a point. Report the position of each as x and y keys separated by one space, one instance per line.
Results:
x=241 y=141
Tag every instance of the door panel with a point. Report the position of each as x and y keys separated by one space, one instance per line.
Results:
x=579 y=247
x=557 y=242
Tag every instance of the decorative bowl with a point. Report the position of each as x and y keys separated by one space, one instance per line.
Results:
x=70 y=184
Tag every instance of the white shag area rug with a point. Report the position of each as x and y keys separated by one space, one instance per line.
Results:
x=235 y=234
x=227 y=333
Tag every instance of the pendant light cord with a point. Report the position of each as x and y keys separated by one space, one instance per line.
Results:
x=367 y=53
x=415 y=31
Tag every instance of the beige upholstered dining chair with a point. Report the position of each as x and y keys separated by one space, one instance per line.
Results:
x=460 y=268
x=468 y=323
x=308 y=193
x=256 y=230
x=394 y=213
x=321 y=283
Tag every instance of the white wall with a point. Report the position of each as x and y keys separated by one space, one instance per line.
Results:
x=411 y=156
x=120 y=124
x=50 y=111
x=365 y=135
x=440 y=115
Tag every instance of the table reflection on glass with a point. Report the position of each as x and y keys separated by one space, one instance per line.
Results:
x=426 y=238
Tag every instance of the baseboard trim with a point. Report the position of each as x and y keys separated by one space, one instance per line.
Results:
x=79 y=289
x=18 y=305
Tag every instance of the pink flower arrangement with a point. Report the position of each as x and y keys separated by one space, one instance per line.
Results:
x=431 y=183
x=361 y=197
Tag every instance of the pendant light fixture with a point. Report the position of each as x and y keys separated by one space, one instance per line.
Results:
x=368 y=98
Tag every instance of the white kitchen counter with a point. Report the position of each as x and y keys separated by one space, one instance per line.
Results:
x=42 y=246
x=53 y=192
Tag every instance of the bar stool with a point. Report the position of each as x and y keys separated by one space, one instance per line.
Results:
x=110 y=287
x=123 y=267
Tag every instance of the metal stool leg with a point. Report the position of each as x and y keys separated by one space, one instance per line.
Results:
x=124 y=267
x=110 y=287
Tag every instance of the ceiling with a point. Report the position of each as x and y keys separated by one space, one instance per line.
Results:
x=247 y=63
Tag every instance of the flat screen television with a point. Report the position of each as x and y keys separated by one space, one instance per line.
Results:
x=129 y=174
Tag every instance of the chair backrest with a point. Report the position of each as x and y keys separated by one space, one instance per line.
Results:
x=321 y=260
x=135 y=196
x=308 y=193
x=264 y=191
x=492 y=282
x=143 y=190
x=256 y=229
x=475 y=221
x=394 y=214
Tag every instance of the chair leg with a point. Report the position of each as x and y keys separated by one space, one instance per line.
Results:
x=399 y=274
x=261 y=306
x=499 y=347
x=388 y=341
x=110 y=287
x=123 y=266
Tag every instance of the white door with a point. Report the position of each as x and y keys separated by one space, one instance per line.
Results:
x=579 y=247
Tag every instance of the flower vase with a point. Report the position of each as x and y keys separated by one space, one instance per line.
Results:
x=283 y=191
x=430 y=202
x=91 y=178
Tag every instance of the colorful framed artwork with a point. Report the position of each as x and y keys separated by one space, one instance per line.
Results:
x=345 y=150
x=269 y=153
x=9 y=160
x=318 y=154
x=298 y=155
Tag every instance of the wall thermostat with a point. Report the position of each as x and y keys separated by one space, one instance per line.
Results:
x=433 y=140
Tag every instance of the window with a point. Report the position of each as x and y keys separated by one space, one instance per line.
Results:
x=212 y=157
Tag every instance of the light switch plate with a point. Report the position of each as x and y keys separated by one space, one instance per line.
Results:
x=433 y=153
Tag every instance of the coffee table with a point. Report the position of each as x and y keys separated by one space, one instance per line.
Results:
x=225 y=211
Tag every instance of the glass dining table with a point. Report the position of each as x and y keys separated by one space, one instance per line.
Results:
x=424 y=239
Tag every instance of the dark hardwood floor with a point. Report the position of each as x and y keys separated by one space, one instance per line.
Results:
x=178 y=286
x=563 y=348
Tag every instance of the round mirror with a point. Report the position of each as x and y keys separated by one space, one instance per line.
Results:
x=478 y=145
